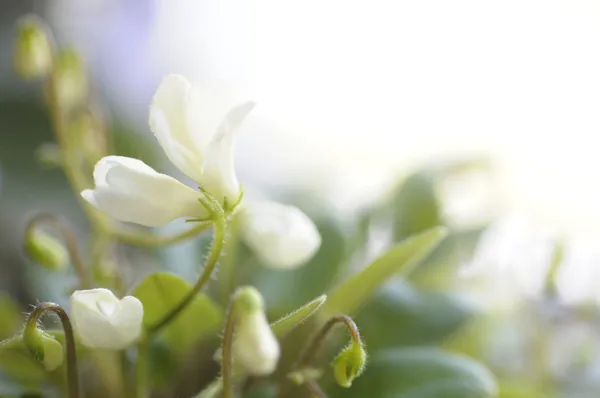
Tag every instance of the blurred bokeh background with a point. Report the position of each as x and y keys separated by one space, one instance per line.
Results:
x=387 y=116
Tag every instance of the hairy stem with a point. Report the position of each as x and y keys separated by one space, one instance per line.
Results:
x=316 y=342
x=219 y=223
x=38 y=311
x=227 y=361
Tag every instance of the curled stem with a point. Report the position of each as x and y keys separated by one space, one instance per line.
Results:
x=219 y=222
x=227 y=347
x=66 y=231
x=38 y=311
x=139 y=239
x=316 y=342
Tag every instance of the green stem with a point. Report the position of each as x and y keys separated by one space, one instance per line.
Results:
x=139 y=239
x=219 y=222
x=315 y=389
x=316 y=342
x=142 y=387
x=66 y=231
x=38 y=311
x=227 y=349
x=227 y=268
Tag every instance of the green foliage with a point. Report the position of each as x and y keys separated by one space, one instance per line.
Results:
x=422 y=373
x=415 y=206
x=160 y=292
x=290 y=321
x=352 y=293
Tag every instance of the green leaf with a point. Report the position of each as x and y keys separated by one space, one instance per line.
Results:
x=10 y=316
x=424 y=372
x=160 y=292
x=415 y=206
x=351 y=294
x=283 y=325
x=18 y=363
x=401 y=314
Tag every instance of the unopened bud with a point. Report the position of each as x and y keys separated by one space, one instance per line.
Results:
x=303 y=375
x=33 y=52
x=70 y=79
x=349 y=364
x=255 y=346
x=43 y=347
x=49 y=155
x=45 y=250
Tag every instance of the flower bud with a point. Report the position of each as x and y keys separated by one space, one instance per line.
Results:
x=43 y=347
x=255 y=347
x=282 y=236
x=349 y=364
x=45 y=250
x=33 y=52
x=70 y=79
x=101 y=320
x=49 y=155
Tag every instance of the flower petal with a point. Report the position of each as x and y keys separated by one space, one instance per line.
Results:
x=127 y=319
x=91 y=326
x=131 y=191
x=255 y=346
x=169 y=115
x=219 y=172
x=282 y=236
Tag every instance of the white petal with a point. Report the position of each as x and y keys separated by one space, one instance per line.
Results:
x=219 y=173
x=131 y=191
x=169 y=116
x=127 y=319
x=91 y=326
x=255 y=345
x=282 y=236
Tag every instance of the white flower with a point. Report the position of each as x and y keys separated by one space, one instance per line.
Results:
x=255 y=346
x=101 y=320
x=196 y=129
x=282 y=236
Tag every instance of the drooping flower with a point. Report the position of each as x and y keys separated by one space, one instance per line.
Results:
x=196 y=128
x=282 y=236
x=255 y=346
x=101 y=320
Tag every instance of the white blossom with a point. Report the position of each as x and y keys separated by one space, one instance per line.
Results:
x=255 y=346
x=196 y=128
x=101 y=320
x=282 y=236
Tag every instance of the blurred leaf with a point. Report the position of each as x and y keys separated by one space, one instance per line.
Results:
x=283 y=325
x=19 y=365
x=439 y=269
x=423 y=373
x=10 y=316
x=415 y=206
x=160 y=292
x=404 y=315
x=347 y=298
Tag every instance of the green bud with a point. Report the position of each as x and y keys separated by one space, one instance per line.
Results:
x=301 y=376
x=43 y=347
x=70 y=79
x=49 y=155
x=45 y=250
x=33 y=52
x=248 y=300
x=349 y=364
